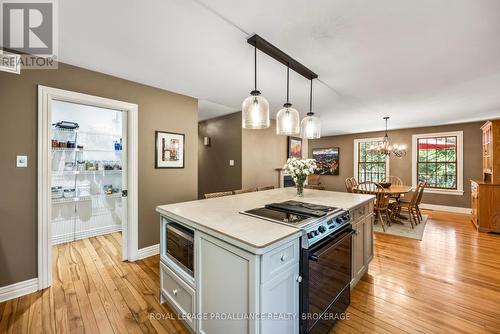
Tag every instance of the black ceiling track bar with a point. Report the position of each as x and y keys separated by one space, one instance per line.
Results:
x=280 y=56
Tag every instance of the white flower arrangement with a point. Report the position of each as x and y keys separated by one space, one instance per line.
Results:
x=299 y=169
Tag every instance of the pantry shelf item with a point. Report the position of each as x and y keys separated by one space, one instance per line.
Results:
x=66 y=125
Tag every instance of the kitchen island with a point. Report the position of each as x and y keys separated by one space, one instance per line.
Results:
x=226 y=272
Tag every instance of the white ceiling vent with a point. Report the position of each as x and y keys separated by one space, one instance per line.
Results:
x=10 y=62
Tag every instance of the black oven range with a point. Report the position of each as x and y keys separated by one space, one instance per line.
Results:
x=325 y=262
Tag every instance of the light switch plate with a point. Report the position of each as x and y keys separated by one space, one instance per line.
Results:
x=231 y=162
x=22 y=161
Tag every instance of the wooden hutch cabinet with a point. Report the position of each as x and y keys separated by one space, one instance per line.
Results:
x=485 y=193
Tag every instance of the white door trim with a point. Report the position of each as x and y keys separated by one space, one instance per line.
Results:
x=130 y=228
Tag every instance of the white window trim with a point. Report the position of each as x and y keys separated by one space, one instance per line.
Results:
x=460 y=162
x=356 y=145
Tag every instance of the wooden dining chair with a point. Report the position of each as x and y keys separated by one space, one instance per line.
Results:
x=265 y=188
x=348 y=186
x=419 y=200
x=313 y=179
x=218 y=194
x=350 y=183
x=244 y=191
x=410 y=206
x=381 y=206
x=354 y=181
x=394 y=180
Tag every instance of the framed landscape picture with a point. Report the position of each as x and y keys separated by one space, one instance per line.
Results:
x=294 y=147
x=169 y=150
x=327 y=160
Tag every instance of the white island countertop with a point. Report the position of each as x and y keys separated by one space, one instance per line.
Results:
x=221 y=216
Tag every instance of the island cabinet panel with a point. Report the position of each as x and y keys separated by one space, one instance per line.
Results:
x=358 y=244
x=362 y=241
x=279 y=293
x=280 y=259
x=368 y=242
x=178 y=293
x=280 y=297
x=227 y=287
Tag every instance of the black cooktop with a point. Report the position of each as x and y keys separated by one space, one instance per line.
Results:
x=290 y=212
x=308 y=209
x=278 y=216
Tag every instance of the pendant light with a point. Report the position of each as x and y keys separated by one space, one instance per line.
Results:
x=310 y=127
x=255 y=108
x=287 y=119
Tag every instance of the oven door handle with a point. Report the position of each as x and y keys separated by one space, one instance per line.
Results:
x=315 y=257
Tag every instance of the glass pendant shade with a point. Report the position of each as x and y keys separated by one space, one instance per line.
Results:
x=255 y=108
x=288 y=121
x=310 y=127
x=255 y=112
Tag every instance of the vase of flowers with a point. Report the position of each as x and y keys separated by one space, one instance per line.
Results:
x=299 y=169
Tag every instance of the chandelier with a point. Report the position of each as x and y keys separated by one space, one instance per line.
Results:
x=386 y=148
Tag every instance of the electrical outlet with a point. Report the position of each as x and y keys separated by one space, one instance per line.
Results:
x=22 y=161
x=231 y=163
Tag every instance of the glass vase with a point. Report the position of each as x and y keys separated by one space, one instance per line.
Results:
x=300 y=189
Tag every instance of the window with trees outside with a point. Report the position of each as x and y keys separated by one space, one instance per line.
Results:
x=371 y=166
x=438 y=160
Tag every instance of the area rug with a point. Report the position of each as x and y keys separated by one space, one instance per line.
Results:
x=403 y=229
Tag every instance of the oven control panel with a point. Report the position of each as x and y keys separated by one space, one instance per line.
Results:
x=324 y=228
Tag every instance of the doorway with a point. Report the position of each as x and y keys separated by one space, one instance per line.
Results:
x=87 y=172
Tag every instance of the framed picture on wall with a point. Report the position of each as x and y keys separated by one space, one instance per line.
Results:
x=327 y=160
x=169 y=150
x=294 y=148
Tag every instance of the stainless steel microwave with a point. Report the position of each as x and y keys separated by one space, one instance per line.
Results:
x=180 y=246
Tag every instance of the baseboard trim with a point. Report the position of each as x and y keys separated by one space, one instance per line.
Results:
x=454 y=209
x=148 y=251
x=18 y=289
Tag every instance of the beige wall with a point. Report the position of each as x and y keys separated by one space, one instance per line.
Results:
x=158 y=110
x=256 y=154
x=402 y=166
x=263 y=151
x=214 y=172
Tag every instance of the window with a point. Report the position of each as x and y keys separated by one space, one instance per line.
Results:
x=369 y=166
x=437 y=159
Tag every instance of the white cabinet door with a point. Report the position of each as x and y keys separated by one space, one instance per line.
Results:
x=227 y=286
x=368 y=235
x=358 y=251
x=280 y=296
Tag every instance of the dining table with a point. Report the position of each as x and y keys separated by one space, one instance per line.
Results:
x=393 y=191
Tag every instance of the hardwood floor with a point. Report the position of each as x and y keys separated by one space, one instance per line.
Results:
x=93 y=292
x=447 y=283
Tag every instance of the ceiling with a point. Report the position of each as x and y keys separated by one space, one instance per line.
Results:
x=422 y=63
